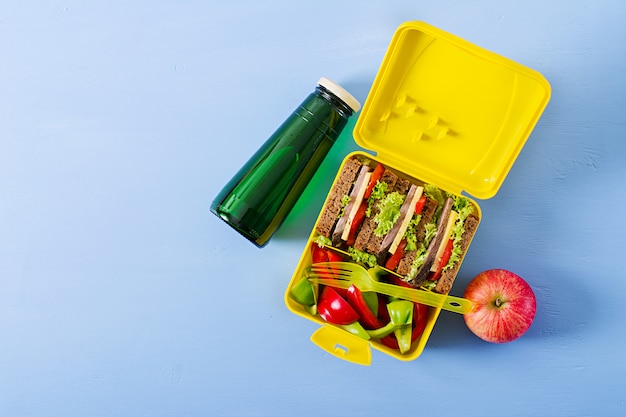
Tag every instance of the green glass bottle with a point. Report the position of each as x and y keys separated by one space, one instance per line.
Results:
x=259 y=197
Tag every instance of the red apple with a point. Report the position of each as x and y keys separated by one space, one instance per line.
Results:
x=504 y=306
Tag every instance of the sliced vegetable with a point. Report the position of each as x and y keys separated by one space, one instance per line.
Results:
x=366 y=316
x=400 y=313
x=444 y=242
x=420 y=317
x=389 y=213
x=334 y=309
x=334 y=256
x=354 y=227
x=403 y=336
x=356 y=329
x=419 y=206
x=303 y=292
x=376 y=175
x=371 y=299
x=318 y=254
x=445 y=257
x=394 y=260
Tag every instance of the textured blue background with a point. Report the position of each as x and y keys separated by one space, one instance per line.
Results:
x=120 y=295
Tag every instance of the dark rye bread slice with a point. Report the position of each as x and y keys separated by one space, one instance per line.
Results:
x=342 y=223
x=444 y=284
x=369 y=225
x=430 y=206
x=375 y=242
x=340 y=189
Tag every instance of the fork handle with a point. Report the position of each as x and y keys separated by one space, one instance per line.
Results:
x=446 y=302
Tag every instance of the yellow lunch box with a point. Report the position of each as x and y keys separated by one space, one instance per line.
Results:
x=442 y=111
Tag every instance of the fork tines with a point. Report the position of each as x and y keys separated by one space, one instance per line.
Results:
x=325 y=271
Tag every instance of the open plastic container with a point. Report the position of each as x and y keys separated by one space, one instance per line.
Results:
x=444 y=111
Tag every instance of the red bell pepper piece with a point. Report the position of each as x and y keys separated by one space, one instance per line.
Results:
x=334 y=309
x=383 y=314
x=366 y=316
x=334 y=256
x=420 y=317
x=318 y=254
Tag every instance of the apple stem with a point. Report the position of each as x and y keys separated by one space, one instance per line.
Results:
x=498 y=302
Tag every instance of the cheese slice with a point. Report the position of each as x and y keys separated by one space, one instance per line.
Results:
x=355 y=207
x=444 y=242
x=406 y=220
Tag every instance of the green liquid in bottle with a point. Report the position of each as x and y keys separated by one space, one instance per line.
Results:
x=259 y=197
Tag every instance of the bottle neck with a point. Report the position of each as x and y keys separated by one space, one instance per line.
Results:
x=341 y=106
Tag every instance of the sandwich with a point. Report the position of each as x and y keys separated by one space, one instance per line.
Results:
x=414 y=229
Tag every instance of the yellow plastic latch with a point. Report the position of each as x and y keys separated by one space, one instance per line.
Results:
x=343 y=345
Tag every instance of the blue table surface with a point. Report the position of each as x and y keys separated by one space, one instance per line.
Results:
x=121 y=295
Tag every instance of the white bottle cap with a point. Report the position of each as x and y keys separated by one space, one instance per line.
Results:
x=341 y=93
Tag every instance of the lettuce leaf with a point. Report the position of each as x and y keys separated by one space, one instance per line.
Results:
x=411 y=233
x=389 y=213
x=432 y=191
x=345 y=200
x=362 y=257
x=322 y=241
x=379 y=191
x=464 y=208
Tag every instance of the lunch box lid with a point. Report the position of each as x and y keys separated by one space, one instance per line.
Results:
x=450 y=112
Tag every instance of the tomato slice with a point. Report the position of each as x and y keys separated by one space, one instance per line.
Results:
x=420 y=204
x=376 y=175
x=394 y=260
x=356 y=222
x=445 y=257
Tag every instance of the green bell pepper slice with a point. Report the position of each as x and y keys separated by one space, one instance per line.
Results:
x=400 y=314
x=303 y=292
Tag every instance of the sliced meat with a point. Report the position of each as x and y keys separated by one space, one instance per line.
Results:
x=431 y=253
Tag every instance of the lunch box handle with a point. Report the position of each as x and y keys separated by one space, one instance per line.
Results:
x=343 y=345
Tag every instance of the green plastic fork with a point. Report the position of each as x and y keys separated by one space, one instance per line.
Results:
x=344 y=274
